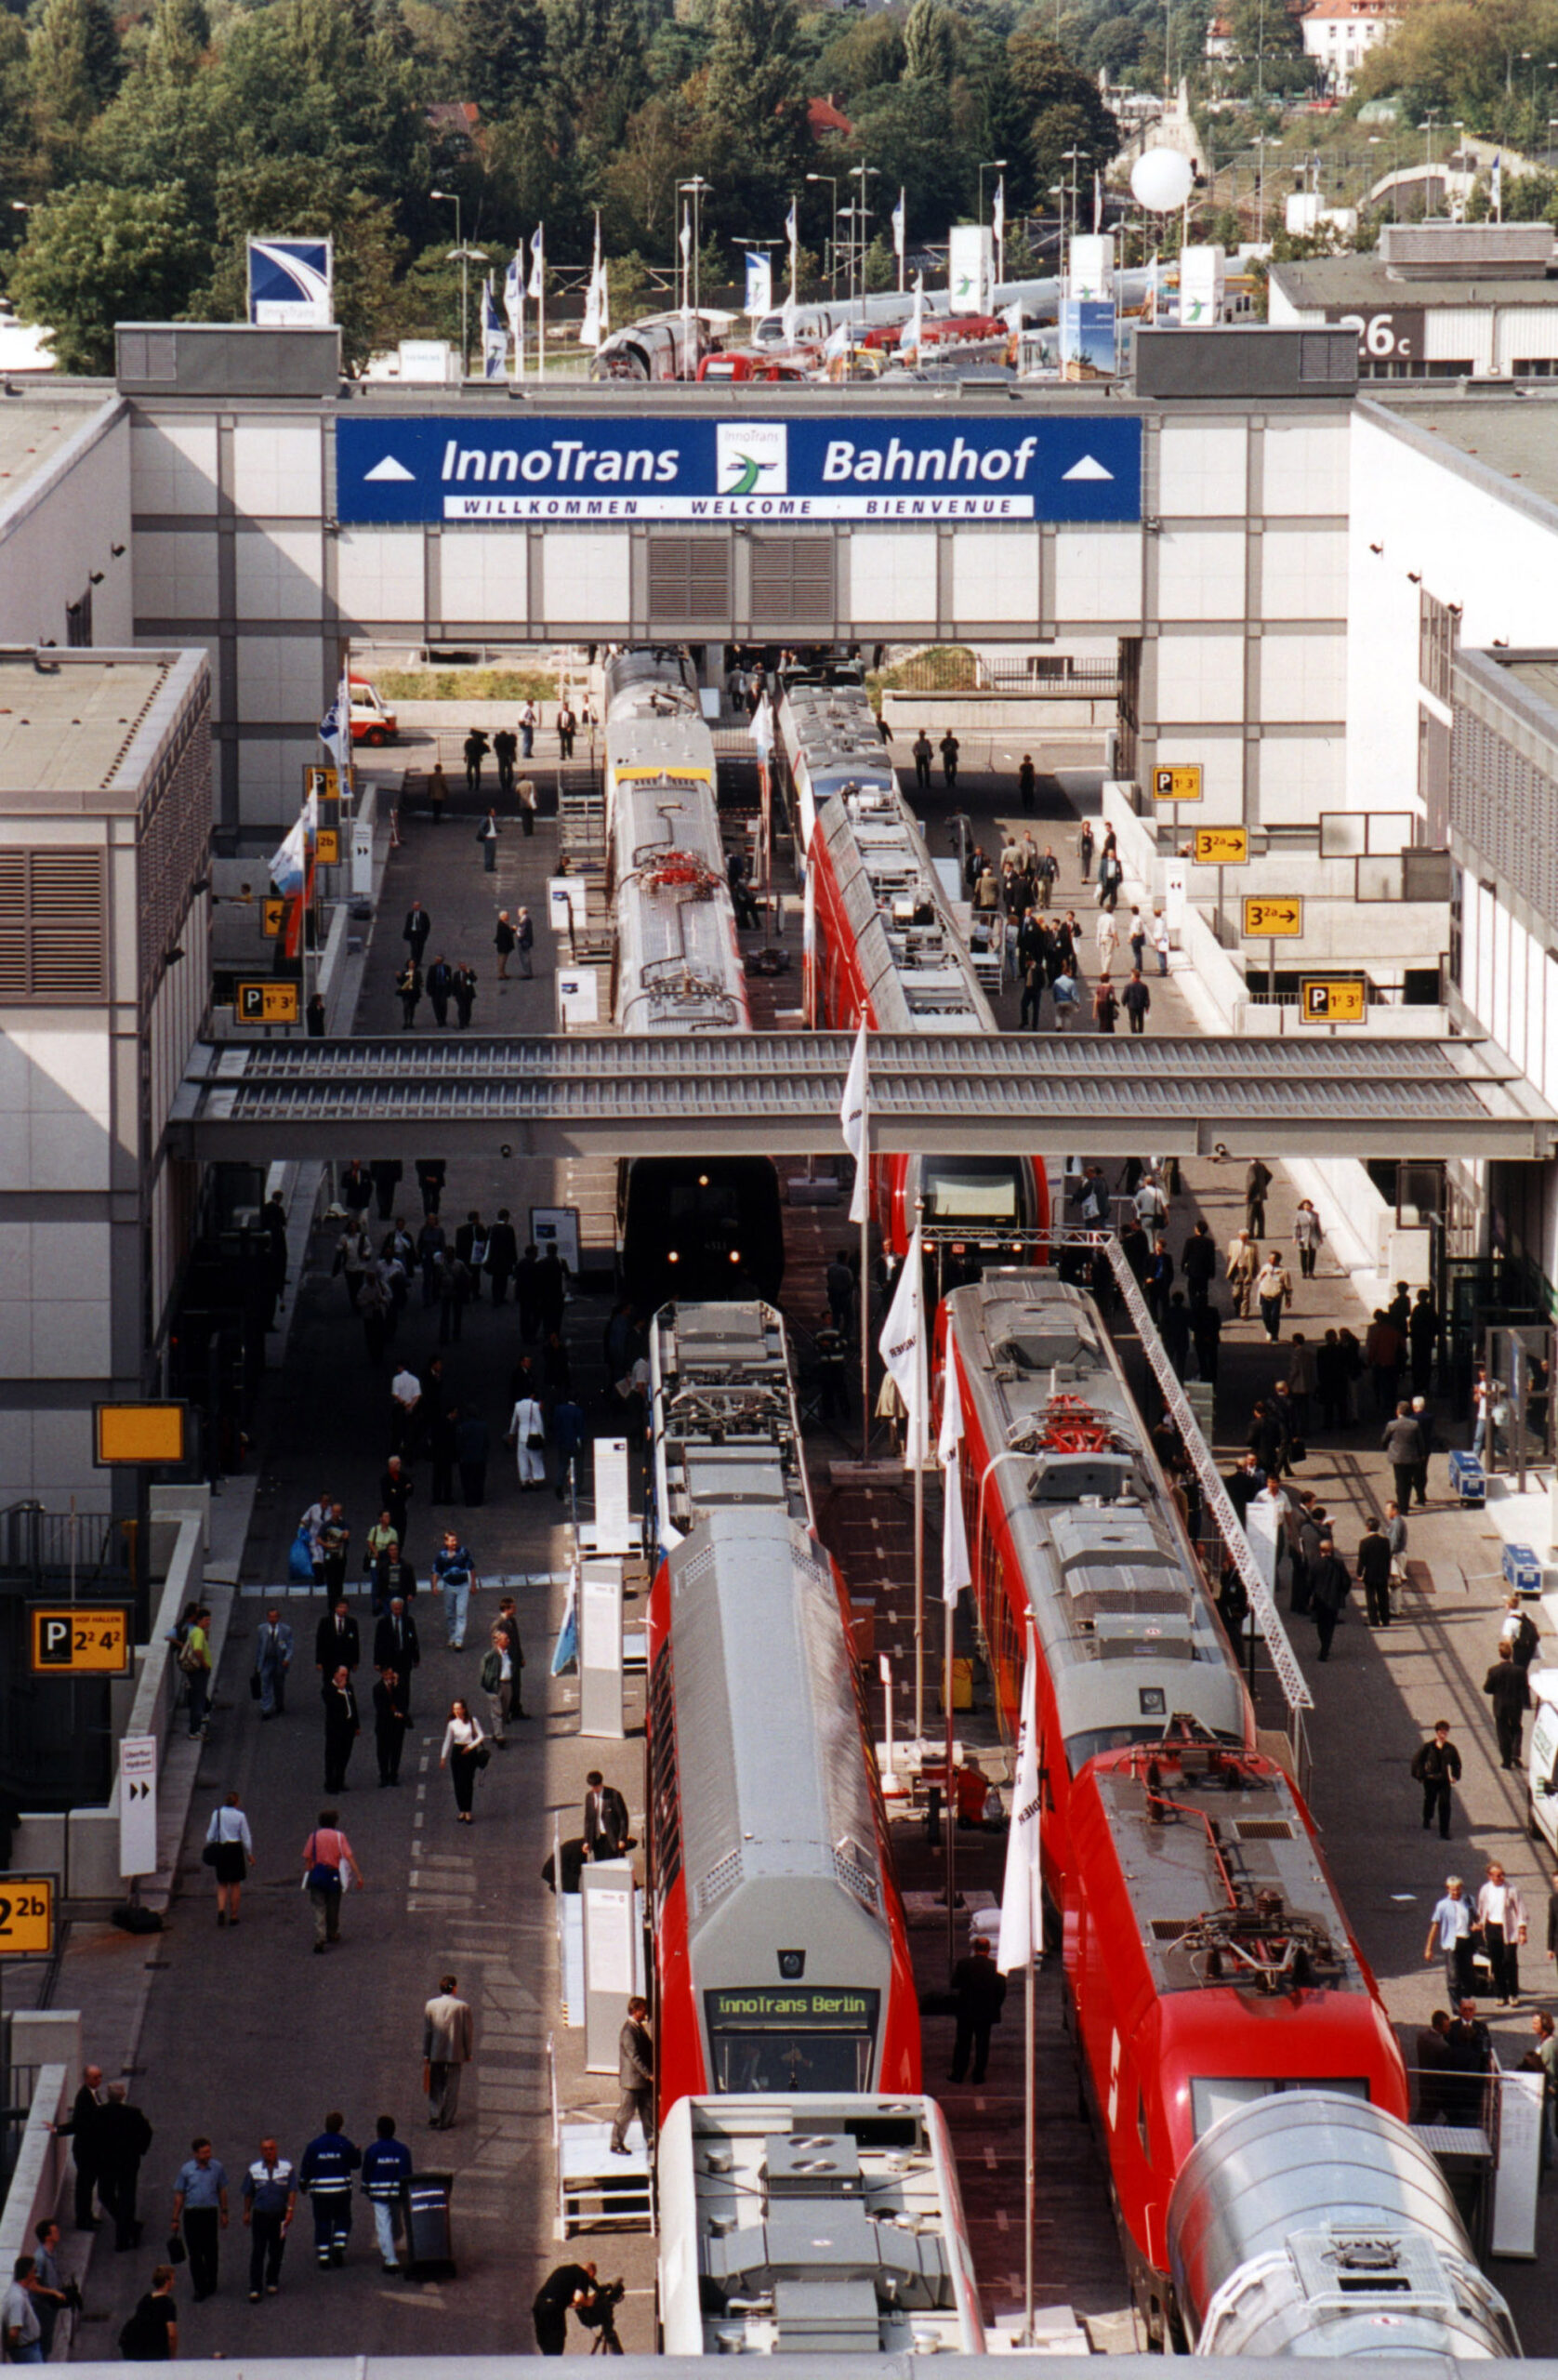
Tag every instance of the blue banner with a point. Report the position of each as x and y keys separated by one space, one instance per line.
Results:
x=830 y=467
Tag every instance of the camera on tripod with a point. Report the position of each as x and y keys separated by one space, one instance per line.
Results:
x=600 y=2316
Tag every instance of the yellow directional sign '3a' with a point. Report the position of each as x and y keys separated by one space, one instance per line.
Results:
x=1333 y=999
x=26 y=1917
x=1272 y=917
x=1220 y=846
x=1183 y=784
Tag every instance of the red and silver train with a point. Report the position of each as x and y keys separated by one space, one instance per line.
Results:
x=885 y=947
x=1071 y=1527
x=707 y=1226
x=1209 y=1968
x=782 y=1958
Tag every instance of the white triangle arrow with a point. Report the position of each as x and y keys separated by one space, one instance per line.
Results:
x=391 y=470
x=1089 y=467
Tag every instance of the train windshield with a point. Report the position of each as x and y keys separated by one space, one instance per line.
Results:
x=974 y=1190
x=1214 y=2095
x=703 y=1202
x=777 y=2039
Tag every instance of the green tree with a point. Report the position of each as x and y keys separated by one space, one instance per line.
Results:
x=501 y=44
x=928 y=43
x=753 y=133
x=881 y=263
x=865 y=57
x=74 y=64
x=1063 y=106
x=656 y=153
x=304 y=194
x=93 y=258
x=910 y=134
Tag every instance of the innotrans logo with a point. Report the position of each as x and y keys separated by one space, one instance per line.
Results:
x=752 y=458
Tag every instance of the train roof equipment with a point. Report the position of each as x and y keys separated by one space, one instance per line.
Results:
x=913 y=963
x=724 y=1414
x=812 y=2224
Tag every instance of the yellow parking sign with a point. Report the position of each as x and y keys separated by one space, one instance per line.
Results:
x=1182 y=784
x=1333 y=999
x=268 y=1003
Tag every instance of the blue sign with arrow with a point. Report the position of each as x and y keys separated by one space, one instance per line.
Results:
x=520 y=466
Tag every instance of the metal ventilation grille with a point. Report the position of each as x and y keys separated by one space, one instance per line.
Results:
x=1265 y=1830
x=722 y=1878
x=855 y=1880
x=792 y=579
x=688 y=578
x=53 y=926
x=1171 y=1929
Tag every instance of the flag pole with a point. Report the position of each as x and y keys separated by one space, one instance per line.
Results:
x=949 y=1488
x=865 y=1284
x=917 y=1434
x=1029 y=2128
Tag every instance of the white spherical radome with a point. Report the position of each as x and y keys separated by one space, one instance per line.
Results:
x=1161 y=180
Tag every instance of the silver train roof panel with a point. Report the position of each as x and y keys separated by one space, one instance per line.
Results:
x=839 y=2194
x=1121 y=1610
x=912 y=959
x=768 y=1752
x=725 y=1425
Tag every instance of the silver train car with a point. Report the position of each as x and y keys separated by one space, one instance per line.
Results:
x=1311 y=2224
x=831 y=742
x=1069 y=1519
x=812 y=2225
x=678 y=965
x=911 y=963
x=724 y=1424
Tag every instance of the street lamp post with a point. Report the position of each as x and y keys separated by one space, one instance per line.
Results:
x=1426 y=127
x=832 y=181
x=849 y=214
x=864 y=174
x=457 y=254
x=697 y=186
x=1073 y=154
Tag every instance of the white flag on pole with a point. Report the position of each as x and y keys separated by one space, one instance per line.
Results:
x=853 y=1121
x=538 y=262
x=597 y=319
x=956 y=1573
x=495 y=338
x=997 y=212
x=1022 y=1937
x=904 y=1351
x=513 y=293
x=899 y=220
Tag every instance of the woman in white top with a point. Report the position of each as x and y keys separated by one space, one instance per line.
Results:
x=527 y=1429
x=228 y=1832
x=463 y=1742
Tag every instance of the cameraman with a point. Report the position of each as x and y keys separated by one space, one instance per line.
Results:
x=570 y=2285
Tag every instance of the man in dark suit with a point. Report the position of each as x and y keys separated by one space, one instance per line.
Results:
x=503 y=1255
x=336 y=1641
x=390 y=1720
x=979 y=1988
x=635 y=2074
x=394 y=1493
x=342 y=1727
x=82 y=2132
x=395 y=1643
x=417 y=929
x=122 y=2137
x=605 y=1819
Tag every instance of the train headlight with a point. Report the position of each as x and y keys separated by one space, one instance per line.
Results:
x=792 y=1966
x=736 y=1256
x=672 y=1256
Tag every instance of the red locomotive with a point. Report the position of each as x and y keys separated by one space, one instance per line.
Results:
x=1071 y=1528
x=1207 y=1964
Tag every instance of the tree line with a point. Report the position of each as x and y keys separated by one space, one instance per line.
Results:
x=141 y=150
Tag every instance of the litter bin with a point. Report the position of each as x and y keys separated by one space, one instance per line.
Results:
x=430 y=2246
